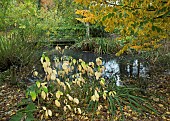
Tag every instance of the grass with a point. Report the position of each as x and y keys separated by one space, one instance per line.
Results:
x=16 y=56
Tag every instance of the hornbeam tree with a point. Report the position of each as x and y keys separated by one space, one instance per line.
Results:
x=147 y=22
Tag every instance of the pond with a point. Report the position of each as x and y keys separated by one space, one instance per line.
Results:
x=119 y=68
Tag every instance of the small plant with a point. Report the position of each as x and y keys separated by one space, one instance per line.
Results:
x=25 y=114
x=75 y=89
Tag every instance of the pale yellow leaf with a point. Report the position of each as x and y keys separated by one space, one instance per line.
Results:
x=96 y=95
x=102 y=82
x=58 y=81
x=57 y=114
x=65 y=66
x=100 y=107
x=75 y=111
x=58 y=48
x=35 y=73
x=42 y=117
x=44 y=108
x=53 y=76
x=65 y=108
x=46 y=113
x=49 y=70
x=104 y=95
x=42 y=60
x=98 y=75
x=43 y=84
x=43 y=95
x=93 y=98
x=79 y=110
x=69 y=97
x=79 y=67
x=49 y=112
x=54 y=71
x=68 y=85
x=44 y=65
x=78 y=83
x=112 y=93
x=69 y=107
x=98 y=61
x=91 y=64
x=58 y=94
x=74 y=61
x=80 y=60
x=57 y=103
x=76 y=100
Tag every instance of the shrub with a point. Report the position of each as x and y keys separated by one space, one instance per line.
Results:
x=75 y=89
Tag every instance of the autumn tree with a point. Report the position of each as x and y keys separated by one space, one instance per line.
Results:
x=146 y=21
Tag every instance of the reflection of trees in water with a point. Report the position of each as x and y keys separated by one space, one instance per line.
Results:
x=115 y=67
x=133 y=68
x=125 y=68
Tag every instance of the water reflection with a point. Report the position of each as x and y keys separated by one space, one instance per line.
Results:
x=117 y=70
x=115 y=67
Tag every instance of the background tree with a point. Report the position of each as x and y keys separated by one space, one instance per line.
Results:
x=146 y=22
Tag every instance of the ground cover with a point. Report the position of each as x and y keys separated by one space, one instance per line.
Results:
x=10 y=97
x=157 y=91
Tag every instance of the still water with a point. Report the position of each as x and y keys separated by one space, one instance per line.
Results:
x=115 y=67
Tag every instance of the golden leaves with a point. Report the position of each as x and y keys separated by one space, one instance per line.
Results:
x=49 y=112
x=95 y=97
x=132 y=18
x=137 y=48
x=43 y=95
x=58 y=48
x=89 y=17
x=69 y=97
x=35 y=73
x=84 y=2
x=112 y=93
x=65 y=65
x=53 y=76
x=98 y=61
x=58 y=94
x=57 y=103
x=75 y=100
x=91 y=64
x=105 y=94
x=98 y=75
x=102 y=82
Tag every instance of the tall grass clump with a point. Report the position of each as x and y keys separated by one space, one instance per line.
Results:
x=15 y=55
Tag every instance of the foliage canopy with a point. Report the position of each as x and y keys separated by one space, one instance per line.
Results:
x=146 y=21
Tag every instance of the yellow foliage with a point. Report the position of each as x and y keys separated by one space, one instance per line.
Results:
x=57 y=103
x=147 y=20
x=58 y=94
x=75 y=100
x=49 y=112
x=98 y=61
x=89 y=17
x=95 y=97
x=98 y=75
x=43 y=95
